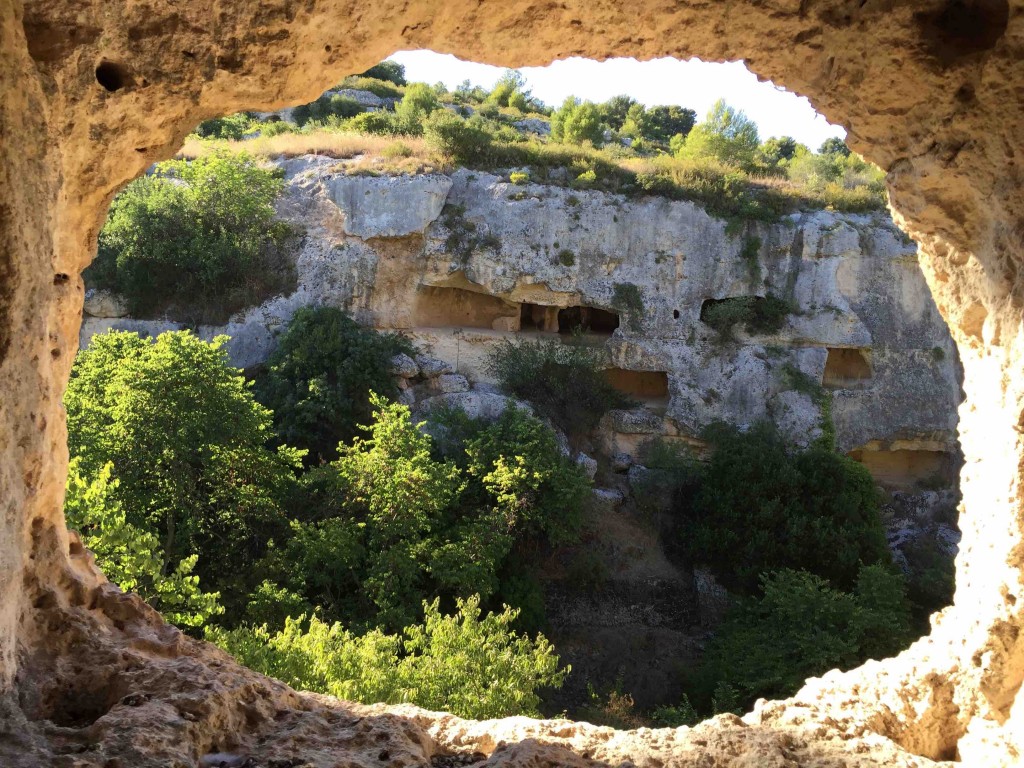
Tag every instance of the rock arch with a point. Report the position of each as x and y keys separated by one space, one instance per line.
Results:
x=90 y=94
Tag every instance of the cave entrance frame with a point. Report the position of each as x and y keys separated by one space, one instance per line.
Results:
x=90 y=96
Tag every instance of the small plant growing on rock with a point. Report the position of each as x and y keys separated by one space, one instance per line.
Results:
x=519 y=178
x=564 y=382
x=627 y=298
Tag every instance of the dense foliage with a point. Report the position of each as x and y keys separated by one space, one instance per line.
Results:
x=319 y=377
x=390 y=524
x=757 y=505
x=757 y=314
x=187 y=444
x=197 y=235
x=802 y=626
x=474 y=666
x=563 y=381
x=131 y=556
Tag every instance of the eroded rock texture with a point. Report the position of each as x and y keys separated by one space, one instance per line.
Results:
x=91 y=93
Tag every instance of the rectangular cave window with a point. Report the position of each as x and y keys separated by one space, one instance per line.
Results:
x=846 y=367
x=440 y=307
x=538 y=317
x=589 y=320
x=649 y=387
x=905 y=469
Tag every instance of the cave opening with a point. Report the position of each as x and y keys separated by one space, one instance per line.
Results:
x=587 y=321
x=847 y=367
x=443 y=309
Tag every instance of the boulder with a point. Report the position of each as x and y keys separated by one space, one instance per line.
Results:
x=388 y=206
x=450 y=383
x=104 y=304
x=587 y=464
x=404 y=366
x=432 y=367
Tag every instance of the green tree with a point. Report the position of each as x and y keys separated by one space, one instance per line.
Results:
x=399 y=518
x=577 y=122
x=615 y=110
x=199 y=235
x=326 y=107
x=726 y=135
x=834 y=146
x=758 y=505
x=131 y=556
x=319 y=377
x=419 y=102
x=474 y=666
x=464 y=142
x=668 y=121
x=232 y=127
x=801 y=626
x=188 y=446
x=389 y=71
x=510 y=91
x=773 y=155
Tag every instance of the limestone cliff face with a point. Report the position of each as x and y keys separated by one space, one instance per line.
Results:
x=461 y=262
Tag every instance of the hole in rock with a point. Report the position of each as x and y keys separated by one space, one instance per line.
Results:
x=112 y=76
x=846 y=367
x=629 y=600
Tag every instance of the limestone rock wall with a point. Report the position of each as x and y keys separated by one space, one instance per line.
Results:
x=93 y=93
x=459 y=263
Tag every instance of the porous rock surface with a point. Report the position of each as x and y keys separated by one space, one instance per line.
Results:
x=91 y=94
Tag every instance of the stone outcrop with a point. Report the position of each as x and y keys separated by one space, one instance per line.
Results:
x=91 y=94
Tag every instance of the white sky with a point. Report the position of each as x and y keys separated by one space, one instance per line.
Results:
x=695 y=84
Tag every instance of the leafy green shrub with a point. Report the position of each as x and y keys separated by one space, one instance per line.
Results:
x=199 y=236
x=319 y=377
x=456 y=138
x=325 y=107
x=131 y=556
x=385 y=89
x=276 y=128
x=757 y=314
x=564 y=382
x=418 y=103
x=681 y=714
x=232 y=127
x=627 y=298
x=801 y=627
x=395 y=520
x=188 y=447
x=576 y=122
x=474 y=666
x=379 y=123
x=757 y=506
x=726 y=135
x=519 y=177
x=388 y=71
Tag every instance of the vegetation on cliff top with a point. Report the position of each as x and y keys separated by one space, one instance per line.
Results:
x=617 y=146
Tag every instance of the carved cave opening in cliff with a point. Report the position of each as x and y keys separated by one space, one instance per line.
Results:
x=846 y=367
x=649 y=387
x=454 y=307
x=442 y=307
